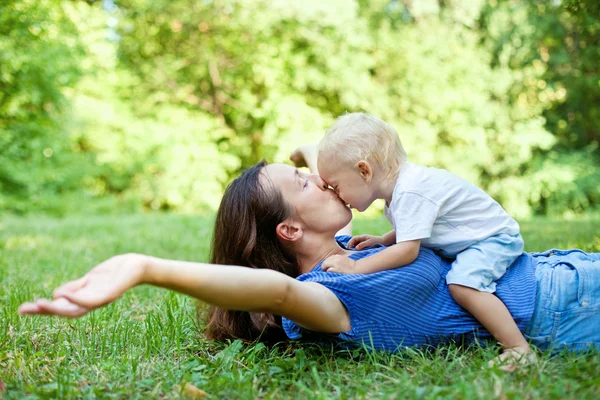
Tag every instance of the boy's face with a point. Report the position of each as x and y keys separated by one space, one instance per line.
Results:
x=350 y=184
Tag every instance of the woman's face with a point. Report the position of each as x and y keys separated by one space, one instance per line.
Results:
x=318 y=207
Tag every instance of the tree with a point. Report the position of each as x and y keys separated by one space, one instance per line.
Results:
x=39 y=58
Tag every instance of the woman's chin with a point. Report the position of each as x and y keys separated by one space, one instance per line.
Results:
x=348 y=211
x=345 y=211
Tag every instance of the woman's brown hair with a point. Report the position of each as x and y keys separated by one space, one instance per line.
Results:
x=245 y=235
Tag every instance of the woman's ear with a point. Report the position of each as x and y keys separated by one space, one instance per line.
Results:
x=289 y=230
x=365 y=170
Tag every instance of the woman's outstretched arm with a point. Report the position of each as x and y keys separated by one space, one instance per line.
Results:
x=310 y=305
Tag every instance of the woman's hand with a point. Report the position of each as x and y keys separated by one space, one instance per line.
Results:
x=305 y=156
x=363 y=241
x=102 y=285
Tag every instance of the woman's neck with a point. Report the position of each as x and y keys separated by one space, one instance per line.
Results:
x=315 y=248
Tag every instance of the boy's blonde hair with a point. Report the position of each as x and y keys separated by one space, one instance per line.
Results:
x=359 y=136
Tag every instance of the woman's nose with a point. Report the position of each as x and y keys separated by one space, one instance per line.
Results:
x=316 y=179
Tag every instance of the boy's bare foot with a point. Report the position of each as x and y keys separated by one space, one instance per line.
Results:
x=511 y=359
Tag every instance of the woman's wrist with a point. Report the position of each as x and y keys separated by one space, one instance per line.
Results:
x=146 y=266
x=161 y=272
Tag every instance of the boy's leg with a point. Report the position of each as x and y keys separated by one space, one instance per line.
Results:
x=491 y=312
x=472 y=282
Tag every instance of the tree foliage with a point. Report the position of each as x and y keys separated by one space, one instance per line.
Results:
x=503 y=93
x=39 y=60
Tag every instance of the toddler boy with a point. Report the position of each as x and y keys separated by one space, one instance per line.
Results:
x=362 y=159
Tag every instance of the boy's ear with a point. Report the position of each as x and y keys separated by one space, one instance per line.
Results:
x=289 y=230
x=365 y=170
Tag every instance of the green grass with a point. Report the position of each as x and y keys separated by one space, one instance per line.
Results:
x=149 y=341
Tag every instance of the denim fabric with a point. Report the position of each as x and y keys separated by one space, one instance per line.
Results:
x=480 y=265
x=567 y=310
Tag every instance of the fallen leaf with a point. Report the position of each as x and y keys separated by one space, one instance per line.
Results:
x=191 y=391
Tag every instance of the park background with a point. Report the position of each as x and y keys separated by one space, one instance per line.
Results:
x=127 y=106
x=121 y=122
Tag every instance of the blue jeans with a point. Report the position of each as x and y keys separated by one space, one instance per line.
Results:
x=567 y=308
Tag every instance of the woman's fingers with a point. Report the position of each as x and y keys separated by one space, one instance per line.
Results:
x=102 y=285
x=90 y=297
x=29 y=308
x=70 y=287
x=61 y=307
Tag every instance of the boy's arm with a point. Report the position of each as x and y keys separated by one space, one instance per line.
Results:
x=363 y=241
x=390 y=238
x=395 y=256
x=398 y=255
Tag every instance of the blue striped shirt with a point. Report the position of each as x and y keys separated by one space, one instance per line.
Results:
x=411 y=305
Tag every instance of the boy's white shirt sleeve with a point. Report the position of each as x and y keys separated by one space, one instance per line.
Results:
x=413 y=216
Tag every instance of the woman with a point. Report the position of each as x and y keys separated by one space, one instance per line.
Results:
x=274 y=227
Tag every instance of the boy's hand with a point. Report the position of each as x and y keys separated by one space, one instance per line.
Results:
x=363 y=241
x=340 y=264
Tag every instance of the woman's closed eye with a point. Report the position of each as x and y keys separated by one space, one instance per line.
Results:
x=301 y=177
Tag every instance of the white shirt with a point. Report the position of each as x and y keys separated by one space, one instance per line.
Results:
x=443 y=210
